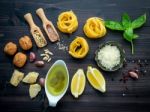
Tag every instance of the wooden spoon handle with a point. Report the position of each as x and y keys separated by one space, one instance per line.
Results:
x=29 y=19
x=41 y=14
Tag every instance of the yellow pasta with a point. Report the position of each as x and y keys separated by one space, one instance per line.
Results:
x=78 y=48
x=94 y=28
x=67 y=22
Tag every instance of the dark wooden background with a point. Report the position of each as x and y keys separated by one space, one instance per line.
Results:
x=117 y=98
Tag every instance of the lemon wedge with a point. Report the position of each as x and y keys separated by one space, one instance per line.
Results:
x=96 y=79
x=78 y=83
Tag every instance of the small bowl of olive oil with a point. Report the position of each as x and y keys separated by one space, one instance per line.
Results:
x=56 y=83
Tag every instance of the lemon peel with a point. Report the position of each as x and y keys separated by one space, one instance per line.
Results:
x=94 y=28
x=67 y=22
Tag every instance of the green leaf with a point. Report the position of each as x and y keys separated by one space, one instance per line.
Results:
x=128 y=34
x=139 y=21
x=126 y=21
x=114 y=25
x=135 y=36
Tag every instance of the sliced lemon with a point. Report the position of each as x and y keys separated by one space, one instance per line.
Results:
x=78 y=83
x=96 y=79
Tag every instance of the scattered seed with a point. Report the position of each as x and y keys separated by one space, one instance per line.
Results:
x=145 y=71
x=46 y=55
x=137 y=70
x=139 y=61
x=123 y=94
x=49 y=59
x=45 y=58
x=42 y=54
x=48 y=52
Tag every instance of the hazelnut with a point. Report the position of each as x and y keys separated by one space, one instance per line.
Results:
x=10 y=48
x=19 y=59
x=25 y=43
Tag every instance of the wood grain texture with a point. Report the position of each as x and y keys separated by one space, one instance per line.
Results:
x=117 y=98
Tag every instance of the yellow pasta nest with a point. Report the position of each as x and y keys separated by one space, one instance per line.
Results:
x=67 y=22
x=78 y=48
x=94 y=28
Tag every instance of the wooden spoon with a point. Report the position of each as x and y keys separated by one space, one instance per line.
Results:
x=48 y=26
x=35 y=31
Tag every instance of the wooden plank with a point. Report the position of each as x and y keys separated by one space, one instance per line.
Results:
x=132 y=96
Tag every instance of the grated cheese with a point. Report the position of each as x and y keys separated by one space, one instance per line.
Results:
x=62 y=46
x=109 y=56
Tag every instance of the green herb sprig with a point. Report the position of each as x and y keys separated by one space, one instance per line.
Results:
x=127 y=26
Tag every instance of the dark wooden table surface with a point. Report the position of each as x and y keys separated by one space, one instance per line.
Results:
x=132 y=96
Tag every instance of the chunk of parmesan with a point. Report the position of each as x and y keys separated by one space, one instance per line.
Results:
x=34 y=89
x=17 y=76
x=31 y=77
x=109 y=56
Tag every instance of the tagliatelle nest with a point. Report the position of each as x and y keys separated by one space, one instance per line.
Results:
x=67 y=22
x=78 y=48
x=94 y=28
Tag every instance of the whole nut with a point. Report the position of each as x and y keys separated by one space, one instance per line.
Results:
x=133 y=75
x=25 y=43
x=32 y=56
x=19 y=59
x=10 y=48
x=39 y=63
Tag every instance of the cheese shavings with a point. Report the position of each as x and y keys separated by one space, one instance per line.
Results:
x=109 y=56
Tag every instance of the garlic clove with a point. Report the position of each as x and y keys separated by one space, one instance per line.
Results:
x=133 y=75
x=32 y=57
x=39 y=63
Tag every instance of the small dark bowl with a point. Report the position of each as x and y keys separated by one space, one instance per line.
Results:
x=122 y=56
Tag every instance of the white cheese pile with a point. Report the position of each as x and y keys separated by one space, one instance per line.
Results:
x=109 y=56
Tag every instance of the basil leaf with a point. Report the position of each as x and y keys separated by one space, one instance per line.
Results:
x=126 y=21
x=139 y=21
x=135 y=36
x=114 y=25
x=128 y=34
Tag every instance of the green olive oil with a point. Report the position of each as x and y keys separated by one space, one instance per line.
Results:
x=57 y=80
